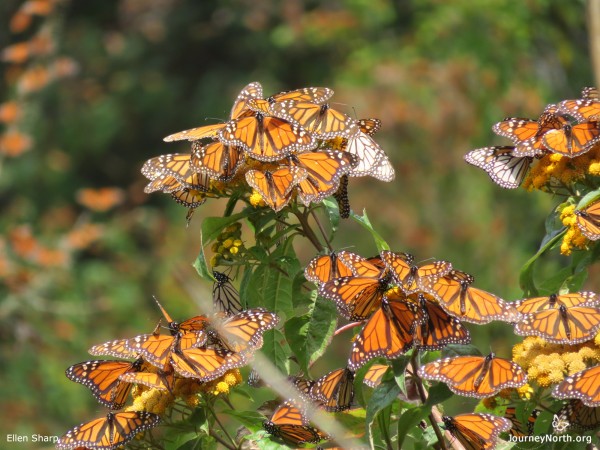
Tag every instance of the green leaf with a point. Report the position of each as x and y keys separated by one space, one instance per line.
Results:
x=277 y=350
x=409 y=420
x=364 y=221
x=309 y=335
x=200 y=443
x=460 y=350
x=588 y=198
x=333 y=214
x=212 y=226
x=201 y=266
x=438 y=393
x=383 y=396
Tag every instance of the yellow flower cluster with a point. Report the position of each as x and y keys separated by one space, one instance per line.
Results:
x=229 y=245
x=150 y=399
x=222 y=385
x=548 y=363
x=256 y=199
x=573 y=237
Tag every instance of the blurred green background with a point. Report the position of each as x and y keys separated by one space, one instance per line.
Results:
x=99 y=84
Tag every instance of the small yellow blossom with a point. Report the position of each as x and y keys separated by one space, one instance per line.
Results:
x=567 y=215
x=234 y=250
x=594 y=167
x=227 y=243
x=238 y=243
x=525 y=391
x=256 y=199
x=221 y=388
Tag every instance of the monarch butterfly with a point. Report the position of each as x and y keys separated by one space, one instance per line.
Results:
x=321 y=120
x=225 y=297
x=501 y=164
x=176 y=165
x=588 y=221
x=413 y=278
x=356 y=296
x=205 y=363
x=476 y=431
x=266 y=138
x=341 y=197
x=242 y=332
x=324 y=170
x=573 y=140
x=240 y=107
x=584 y=385
x=434 y=328
x=535 y=304
x=217 y=160
x=316 y=95
x=458 y=298
x=584 y=109
x=561 y=324
x=103 y=379
x=169 y=183
x=289 y=423
x=276 y=187
x=324 y=268
x=475 y=376
x=116 y=348
x=110 y=432
x=190 y=198
x=527 y=134
x=579 y=417
x=163 y=380
x=517 y=428
x=375 y=374
x=387 y=333
x=334 y=390
x=366 y=267
x=372 y=160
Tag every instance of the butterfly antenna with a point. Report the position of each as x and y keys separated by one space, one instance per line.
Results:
x=165 y=313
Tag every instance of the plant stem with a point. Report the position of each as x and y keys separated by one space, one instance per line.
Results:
x=419 y=383
x=346 y=327
x=308 y=232
x=234 y=446
x=322 y=229
x=221 y=441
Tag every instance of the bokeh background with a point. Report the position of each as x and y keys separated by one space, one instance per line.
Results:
x=90 y=88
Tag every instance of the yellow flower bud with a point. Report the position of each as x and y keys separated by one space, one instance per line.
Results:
x=234 y=250
x=228 y=243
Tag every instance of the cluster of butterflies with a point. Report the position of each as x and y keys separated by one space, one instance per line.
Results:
x=570 y=128
x=290 y=144
x=201 y=348
x=405 y=306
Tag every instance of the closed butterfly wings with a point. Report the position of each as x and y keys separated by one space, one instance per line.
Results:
x=413 y=278
x=372 y=161
x=217 y=160
x=289 y=423
x=475 y=376
x=316 y=95
x=334 y=391
x=322 y=269
x=503 y=167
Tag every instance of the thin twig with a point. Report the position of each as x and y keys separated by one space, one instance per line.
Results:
x=210 y=408
x=322 y=229
x=308 y=232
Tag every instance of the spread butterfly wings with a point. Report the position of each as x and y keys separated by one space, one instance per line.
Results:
x=289 y=424
x=588 y=221
x=266 y=138
x=325 y=268
x=276 y=187
x=409 y=277
x=242 y=333
x=365 y=267
x=434 y=328
x=206 y=363
x=458 y=298
x=322 y=120
x=476 y=431
x=157 y=348
x=584 y=385
x=335 y=390
x=475 y=376
x=241 y=105
x=225 y=297
x=503 y=167
x=355 y=297
x=387 y=333
x=324 y=170
x=216 y=160
x=163 y=380
x=573 y=140
x=561 y=325
x=535 y=304
x=110 y=432
x=103 y=379
x=584 y=109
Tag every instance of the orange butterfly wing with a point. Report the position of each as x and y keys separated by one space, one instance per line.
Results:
x=325 y=268
x=476 y=431
x=242 y=333
x=275 y=187
x=103 y=379
x=355 y=297
x=110 y=432
x=475 y=376
x=588 y=221
x=117 y=348
x=573 y=140
x=375 y=374
x=535 y=304
x=289 y=424
x=584 y=385
x=435 y=328
x=194 y=134
x=241 y=105
x=217 y=160
x=387 y=333
x=579 y=416
x=335 y=390
x=205 y=363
